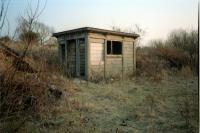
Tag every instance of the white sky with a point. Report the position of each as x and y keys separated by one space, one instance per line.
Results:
x=156 y=17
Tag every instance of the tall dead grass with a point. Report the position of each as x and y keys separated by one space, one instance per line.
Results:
x=149 y=65
x=158 y=63
x=21 y=91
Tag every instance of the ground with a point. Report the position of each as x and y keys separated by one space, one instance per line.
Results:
x=134 y=105
x=139 y=105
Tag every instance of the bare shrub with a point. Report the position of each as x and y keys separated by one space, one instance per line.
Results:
x=185 y=40
x=186 y=71
x=47 y=55
x=5 y=39
x=176 y=57
x=179 y=49
x=151 y=66
x=157 y=44
x=29 y=36
x=21 y=95
x=26 y=91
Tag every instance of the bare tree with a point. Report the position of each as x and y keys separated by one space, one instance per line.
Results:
x=24 y=33
x=29 y=20
x=116 y=28
x=135 y=29
x=40 y=32
x=4 y=4
x=44 y=32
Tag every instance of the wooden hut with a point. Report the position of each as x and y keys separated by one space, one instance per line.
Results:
x=97 y=53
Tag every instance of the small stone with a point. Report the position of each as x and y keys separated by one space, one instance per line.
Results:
x=123 y=123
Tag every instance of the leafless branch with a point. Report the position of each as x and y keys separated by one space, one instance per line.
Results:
x=29 y=19
x=8 y=26
x=3 y=12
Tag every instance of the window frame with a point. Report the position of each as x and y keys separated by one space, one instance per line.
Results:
x=111 y=48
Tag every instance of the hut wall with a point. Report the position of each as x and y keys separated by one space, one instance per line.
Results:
x=87 y=54
x=128 y=61
x=96 y=58
x=103 y=65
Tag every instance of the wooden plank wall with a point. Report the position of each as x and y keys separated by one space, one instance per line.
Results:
x=128 y=57
x=115 y=65
x=96 y=57
x=92 y=55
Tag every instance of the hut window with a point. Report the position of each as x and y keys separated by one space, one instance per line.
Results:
x=114 y=48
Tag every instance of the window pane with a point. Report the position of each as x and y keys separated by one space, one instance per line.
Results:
x=116 y=48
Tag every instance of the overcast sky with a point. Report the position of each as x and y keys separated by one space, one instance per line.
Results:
x=156 y=17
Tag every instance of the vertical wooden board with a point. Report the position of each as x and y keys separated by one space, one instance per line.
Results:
x=86 y=57
x=105 y=53
x=77 y=58
x=114 y=66
x=97 y=59
x=59 y=53
x=122 y=59
x=66 y=51
x=63 y=53
x=82 y=57
x=71 y=57
x=96 y=53
x=134 y=57
x=128 y=57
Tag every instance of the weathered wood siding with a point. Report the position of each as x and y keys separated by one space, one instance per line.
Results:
x=128 y=58
x=110 y=37
x=86 y=55
x=96 y=57
x=61 y=41
x=115 y=65
x=82 y=57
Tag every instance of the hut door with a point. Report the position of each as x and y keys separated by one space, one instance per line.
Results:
x=63 y=54
x=82 y=57
x=71 y=57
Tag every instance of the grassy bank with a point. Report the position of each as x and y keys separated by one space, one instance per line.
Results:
x=140 y=106
x=135 y=105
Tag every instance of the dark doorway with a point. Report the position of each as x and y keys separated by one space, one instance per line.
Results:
x=82 y=56
x=71 y=57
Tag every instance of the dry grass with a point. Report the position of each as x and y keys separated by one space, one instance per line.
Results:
x=136 y=105
x=149 y=65
x=21 y=90
x=26 y=96
x=159 y=63
x=176 y=57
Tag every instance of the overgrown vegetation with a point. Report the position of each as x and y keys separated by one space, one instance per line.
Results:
x=28 y=88
x=163 y=60
x=179 y=51
x=162 y=97
x=36 y=96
